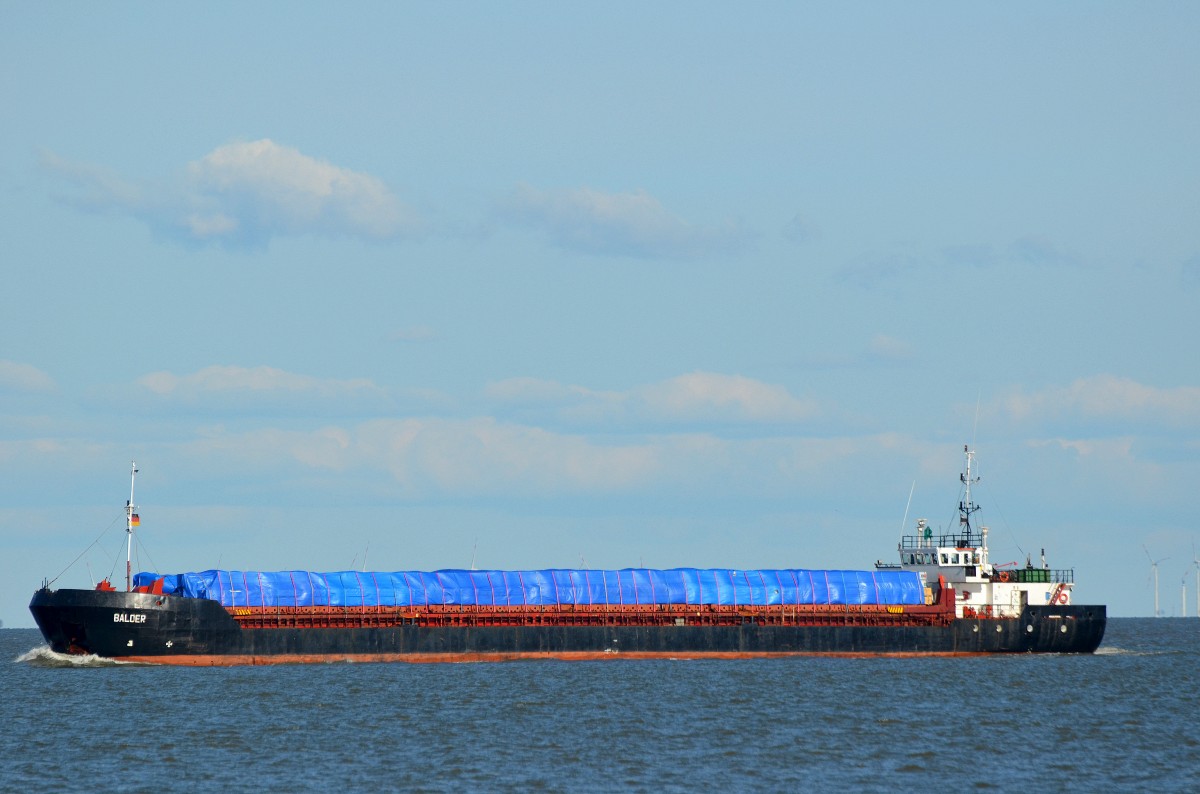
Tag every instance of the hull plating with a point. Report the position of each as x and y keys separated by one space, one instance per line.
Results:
x=174 y=630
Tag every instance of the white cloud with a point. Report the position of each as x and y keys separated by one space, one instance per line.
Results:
x=623 y=224
x=1120 y=449
x=694 y=397
x=537 y=390
x=889 y=349
x=216 y=379
x=700 y=395
x=325 y=448
x=481 y=456
x=245 y=193
x=906 y=260
x=104 y=189
x=428 y=456
x=1109 y=397
x=233 y=391
x=18 y=377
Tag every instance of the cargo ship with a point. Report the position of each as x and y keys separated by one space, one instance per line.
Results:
x=942 y=597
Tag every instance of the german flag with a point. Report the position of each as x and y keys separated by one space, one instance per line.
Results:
x=134 y=521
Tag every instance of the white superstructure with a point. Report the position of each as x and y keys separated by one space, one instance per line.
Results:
x=960 y=559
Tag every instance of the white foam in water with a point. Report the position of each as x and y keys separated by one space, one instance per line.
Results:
x=1109 y=650
x=42 y=656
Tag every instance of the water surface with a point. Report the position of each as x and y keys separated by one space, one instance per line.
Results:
x=1125 y=717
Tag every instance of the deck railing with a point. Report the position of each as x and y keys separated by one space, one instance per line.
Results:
x=959 y=540
x=1039 y=575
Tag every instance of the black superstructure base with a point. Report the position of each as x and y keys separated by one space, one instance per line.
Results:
x=181 y=630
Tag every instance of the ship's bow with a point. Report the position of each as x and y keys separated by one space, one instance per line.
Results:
x=102 y=622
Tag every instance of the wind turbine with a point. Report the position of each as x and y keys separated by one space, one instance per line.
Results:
x=1196 y=564
x=1183 y=596
x=1154 y=571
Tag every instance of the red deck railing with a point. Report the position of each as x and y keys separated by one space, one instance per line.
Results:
x=589 y=615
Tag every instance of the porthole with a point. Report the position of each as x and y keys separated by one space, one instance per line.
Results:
x=1029 y=629
x=1063 y=628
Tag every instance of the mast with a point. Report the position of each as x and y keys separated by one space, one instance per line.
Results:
x=130 y=518
x=967 y=507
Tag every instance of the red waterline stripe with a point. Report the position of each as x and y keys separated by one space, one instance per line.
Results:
x=214 y=660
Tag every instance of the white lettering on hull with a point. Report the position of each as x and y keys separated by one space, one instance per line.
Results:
x=126 y=617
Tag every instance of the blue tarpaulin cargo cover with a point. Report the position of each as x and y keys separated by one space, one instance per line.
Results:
x=549 y=587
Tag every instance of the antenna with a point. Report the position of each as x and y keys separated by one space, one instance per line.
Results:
x=975 y=429
x=1154 y=572
x=131 y=521
x=904 y=521
x=473 y=547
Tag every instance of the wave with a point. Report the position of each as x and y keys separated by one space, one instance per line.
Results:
x=1109 y=650
x=42 y=656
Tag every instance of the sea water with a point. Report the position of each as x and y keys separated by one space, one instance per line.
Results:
x=1125 y=718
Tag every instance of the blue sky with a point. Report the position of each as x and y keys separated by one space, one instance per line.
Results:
x=547 y=284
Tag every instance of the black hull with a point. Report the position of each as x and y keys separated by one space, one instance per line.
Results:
x=176 y=630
